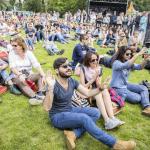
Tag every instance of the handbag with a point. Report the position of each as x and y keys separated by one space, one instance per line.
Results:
x=79 y=101
x=116 y=98
x=32 y=85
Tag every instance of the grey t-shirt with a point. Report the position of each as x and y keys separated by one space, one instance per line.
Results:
x=62 y=97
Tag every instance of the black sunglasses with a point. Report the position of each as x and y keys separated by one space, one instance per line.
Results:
x=14 y=45
x=128 y=54
x=66 y=66
x=94 y=60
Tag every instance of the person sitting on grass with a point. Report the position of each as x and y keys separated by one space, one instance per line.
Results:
x=122 y=64
x=7 y=79
x=90 y=73
x=21 y=62
x=79 y=120
x=80 y=50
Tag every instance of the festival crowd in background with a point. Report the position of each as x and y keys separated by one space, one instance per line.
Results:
x=72 y=104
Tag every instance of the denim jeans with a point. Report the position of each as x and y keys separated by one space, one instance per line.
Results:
x=5 y=75
x=40 y=35
x=135 y=94
x=81 y=120
x=60 y=38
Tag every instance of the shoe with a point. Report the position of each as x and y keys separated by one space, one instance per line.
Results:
x=124 y=145
x=111 y=124
x=146 y=111
x=60 y=52
x=34 y=101
x=70 y=139
x=40 y=95
x=14 y=90
x=119 y=121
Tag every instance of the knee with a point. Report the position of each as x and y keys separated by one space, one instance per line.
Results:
x=85 y=118
x=144 y=88
x=96 y=113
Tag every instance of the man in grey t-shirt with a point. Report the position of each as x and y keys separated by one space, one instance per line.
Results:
x=79 y=120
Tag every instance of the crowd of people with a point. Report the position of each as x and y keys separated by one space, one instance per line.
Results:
x=125 y=35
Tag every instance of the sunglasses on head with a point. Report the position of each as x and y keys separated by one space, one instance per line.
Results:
x=94 y=60
x=128 y=54
x=66 y=66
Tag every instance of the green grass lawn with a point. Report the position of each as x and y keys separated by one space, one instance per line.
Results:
x=23 y=127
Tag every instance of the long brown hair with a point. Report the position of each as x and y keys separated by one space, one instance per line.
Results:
x=88 y=57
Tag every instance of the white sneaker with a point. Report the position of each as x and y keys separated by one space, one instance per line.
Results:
x=119 y=121
x=111 y=124
x=34 y=101
x=40 y=97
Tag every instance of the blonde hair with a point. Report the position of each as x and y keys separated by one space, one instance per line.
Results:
x=20 y=41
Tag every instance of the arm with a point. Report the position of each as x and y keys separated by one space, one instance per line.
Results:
x=127 y=65
x=40 y=70
x=87 y=92
x=48 y=101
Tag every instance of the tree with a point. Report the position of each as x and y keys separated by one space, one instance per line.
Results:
x=3 y=4
x=34 y=5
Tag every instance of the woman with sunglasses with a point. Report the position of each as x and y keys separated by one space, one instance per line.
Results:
x=122 y=64
x=21 y=62
x=90 y=75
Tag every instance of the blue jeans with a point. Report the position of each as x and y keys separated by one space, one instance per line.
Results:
x=135 y=94
x=40 y=35
x=5 y=75
x=81 y=120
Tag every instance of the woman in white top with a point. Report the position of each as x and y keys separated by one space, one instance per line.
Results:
x=90 y=76
x=21 y=62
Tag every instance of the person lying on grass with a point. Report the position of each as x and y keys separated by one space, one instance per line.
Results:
x=78 y=120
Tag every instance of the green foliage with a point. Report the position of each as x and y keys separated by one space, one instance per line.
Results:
x=33 y=5
x=142 y=5
x=64 y=5
x=3 y=4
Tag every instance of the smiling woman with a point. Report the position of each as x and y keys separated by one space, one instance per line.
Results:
x=21 y=62
x=123 y=63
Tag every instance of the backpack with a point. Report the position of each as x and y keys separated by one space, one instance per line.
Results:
x=116 y=98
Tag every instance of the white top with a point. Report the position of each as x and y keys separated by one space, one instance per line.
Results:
x=15 y=61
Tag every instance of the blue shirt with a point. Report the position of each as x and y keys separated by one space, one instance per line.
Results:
x=120 y=73
x=79 y=53
x=62 y=97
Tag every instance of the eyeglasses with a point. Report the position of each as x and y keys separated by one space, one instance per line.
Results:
x=94 y=60
x=128 y=54
x=14 y=45
x=66 y=66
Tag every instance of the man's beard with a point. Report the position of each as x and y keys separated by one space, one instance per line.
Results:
x=63 y=75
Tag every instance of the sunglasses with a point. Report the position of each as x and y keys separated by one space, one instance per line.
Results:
x=128 y=54
x=66 y=66
x=14 y=45
x=94 y=60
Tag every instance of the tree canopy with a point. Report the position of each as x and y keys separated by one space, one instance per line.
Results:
x=62 y=5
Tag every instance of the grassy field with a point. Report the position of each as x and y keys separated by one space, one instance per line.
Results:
x=23 y=127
